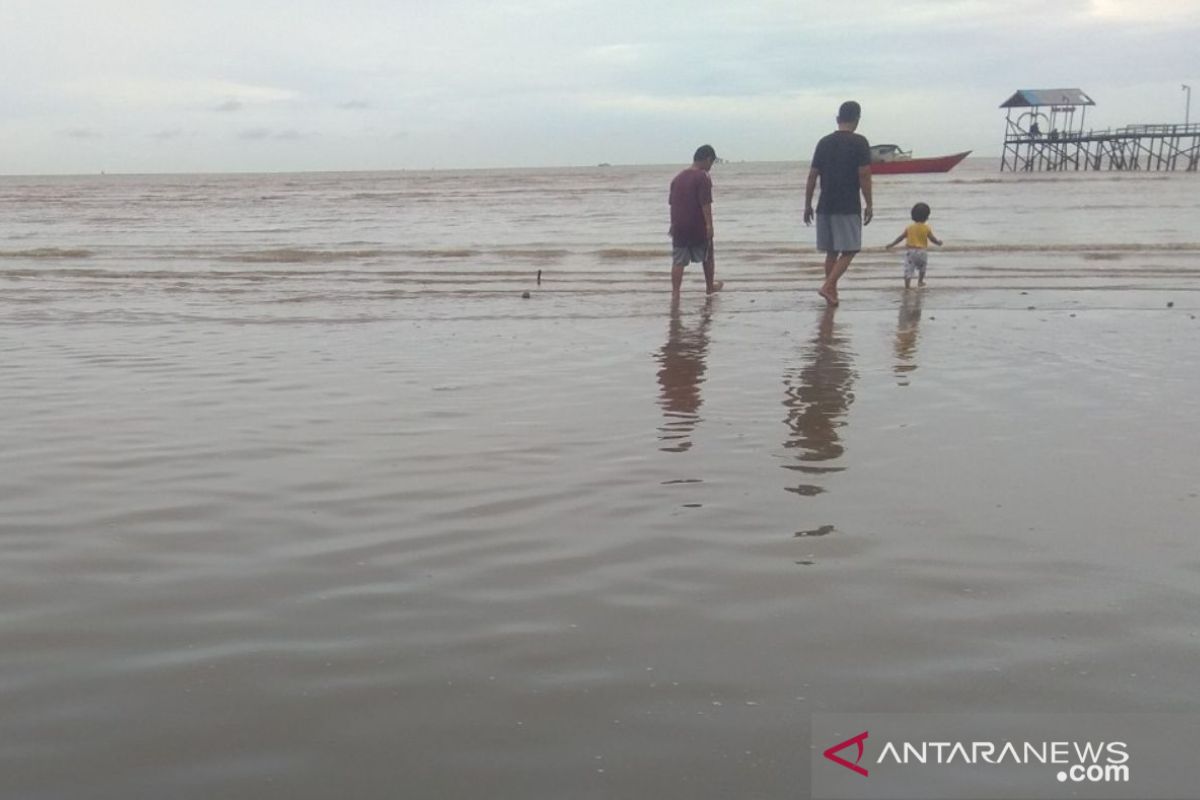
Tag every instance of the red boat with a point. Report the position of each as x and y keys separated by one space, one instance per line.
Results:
x=888 y=159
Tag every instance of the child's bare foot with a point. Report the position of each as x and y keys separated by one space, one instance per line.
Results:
x=716 y=287
x=830 y=297
x=920 y=283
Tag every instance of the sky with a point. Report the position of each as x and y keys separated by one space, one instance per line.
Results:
x=300 y=85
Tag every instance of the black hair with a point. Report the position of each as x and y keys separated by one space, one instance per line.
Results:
x=921 y=212
x=705 y=152
x=849 y=111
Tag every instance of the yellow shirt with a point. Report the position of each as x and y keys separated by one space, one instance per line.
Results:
x=917 y=235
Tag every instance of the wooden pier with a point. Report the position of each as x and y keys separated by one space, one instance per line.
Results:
x=1043 y=134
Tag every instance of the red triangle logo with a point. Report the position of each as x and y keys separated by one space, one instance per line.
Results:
x=832 y=753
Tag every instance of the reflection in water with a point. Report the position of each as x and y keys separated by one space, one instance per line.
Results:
x=906 y=335
x=681 y=371
x=817 y=395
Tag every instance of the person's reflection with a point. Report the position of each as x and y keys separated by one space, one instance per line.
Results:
x=817 y=394
x=681 y=371
x=906 y=336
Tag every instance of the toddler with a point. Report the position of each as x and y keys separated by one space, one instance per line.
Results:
x=917 y=238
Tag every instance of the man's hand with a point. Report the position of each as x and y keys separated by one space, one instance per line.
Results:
x=868 y=215
x=808 y=215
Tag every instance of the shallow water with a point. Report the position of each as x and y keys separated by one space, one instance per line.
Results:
x=301 y=499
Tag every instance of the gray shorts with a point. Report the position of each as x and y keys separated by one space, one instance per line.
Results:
x=697 y=253
x=915 y=260
x=839 y=233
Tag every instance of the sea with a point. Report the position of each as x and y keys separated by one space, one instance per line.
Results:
x=420 y=485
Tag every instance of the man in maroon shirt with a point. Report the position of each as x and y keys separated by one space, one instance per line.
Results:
x=691 y=220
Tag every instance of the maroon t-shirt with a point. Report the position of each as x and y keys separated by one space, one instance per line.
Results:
x=691 y=191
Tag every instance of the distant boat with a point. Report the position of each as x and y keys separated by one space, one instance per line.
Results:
x=889 y=159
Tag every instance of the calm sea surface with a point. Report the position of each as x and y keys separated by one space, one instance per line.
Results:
x=299 y=498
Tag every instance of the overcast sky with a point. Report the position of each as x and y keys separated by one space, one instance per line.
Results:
x=221 y=85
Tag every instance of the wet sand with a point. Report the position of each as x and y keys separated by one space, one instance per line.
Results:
x=586 y=546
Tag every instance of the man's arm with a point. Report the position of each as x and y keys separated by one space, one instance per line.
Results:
x=708 y=226
x=864 y=183
x=809 y=188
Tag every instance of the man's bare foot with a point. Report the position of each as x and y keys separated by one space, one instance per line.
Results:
x=716 y=287
x=830 y=298
x=920 y=283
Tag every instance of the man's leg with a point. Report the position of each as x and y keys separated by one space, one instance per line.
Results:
x=710 y=271
x=846 y=230
x=840 y=264
x=830 y=295
x=676 y=277
x=839 y=269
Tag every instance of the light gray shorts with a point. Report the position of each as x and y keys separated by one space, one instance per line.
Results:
x=691 y=253
x=839 y=233
x=915 y=260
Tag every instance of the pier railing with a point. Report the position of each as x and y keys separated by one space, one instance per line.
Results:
x=1166 y=147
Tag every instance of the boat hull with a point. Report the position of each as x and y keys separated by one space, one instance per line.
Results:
x=909 y=166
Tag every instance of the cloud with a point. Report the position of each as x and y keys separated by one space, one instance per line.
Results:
x=262 y=134
x=615 y=54
x=531 y=82
x=127 y=92
x=757 y=107
x=1146 y=11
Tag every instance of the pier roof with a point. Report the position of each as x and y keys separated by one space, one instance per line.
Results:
x=1032 y=98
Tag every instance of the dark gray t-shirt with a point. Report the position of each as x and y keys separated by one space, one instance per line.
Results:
x=838 y=157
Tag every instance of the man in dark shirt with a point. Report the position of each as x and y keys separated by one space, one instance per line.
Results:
x=842 y=161
x=691 y=220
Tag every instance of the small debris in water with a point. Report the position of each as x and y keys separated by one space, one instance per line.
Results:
x=1170 y=304
x=524 y=295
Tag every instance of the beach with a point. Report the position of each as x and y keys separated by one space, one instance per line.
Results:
x=300 y=498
